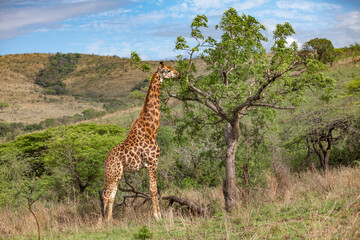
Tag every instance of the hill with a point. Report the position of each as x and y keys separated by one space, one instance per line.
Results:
x=94 y=77
x=100 y=84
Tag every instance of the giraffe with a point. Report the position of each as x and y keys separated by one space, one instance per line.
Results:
x=139 y=149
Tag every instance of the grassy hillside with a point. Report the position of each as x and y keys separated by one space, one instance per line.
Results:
x=94 y=77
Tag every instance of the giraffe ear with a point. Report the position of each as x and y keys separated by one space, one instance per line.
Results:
x=162 y=63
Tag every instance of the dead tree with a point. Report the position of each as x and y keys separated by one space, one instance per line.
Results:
x=320 y=140
x=135 y=194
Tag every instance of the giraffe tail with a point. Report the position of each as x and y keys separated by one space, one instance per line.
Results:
x=101 y=203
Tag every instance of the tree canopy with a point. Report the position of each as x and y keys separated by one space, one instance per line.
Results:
x=243 y=80
x=325 y=51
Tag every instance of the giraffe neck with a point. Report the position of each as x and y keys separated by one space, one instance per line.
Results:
x=151 y=110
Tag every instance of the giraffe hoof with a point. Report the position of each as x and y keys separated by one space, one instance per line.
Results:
x=157 y=216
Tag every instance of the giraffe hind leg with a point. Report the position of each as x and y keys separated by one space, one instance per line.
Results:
x=108 y=197
x=101 y=203
x=111 y=200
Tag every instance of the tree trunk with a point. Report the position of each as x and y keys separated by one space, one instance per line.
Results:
x=327 y=154
x=229 y=186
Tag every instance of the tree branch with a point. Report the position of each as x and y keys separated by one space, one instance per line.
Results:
x=271 y=106
x=190 y=205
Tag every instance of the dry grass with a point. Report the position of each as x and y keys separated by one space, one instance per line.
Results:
x=26 y=102
x=310 y=206
x=105 y=76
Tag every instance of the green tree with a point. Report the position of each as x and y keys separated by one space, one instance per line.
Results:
x=75 y=156
x=353 y=87
x=243 y=81
x=3 y=106
x=325 y=51
x=58 y=162
x=138 y=93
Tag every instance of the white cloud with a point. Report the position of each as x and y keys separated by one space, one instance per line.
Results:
x=287 y=14
x=347 y=29
x=15 y=21
x=307 y=6
x=220 y=4
x=290 y=40
x=99 y=47
x=203 y=4
x=249 y=4
x=349 y=21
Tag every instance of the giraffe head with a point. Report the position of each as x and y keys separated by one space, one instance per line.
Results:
x=166 y=72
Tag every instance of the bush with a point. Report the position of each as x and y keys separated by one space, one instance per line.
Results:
x=92 y=113
x=33 y=127
x=112 y=105
x=51 y=77
x=143 y=233
x=3 y=105
x=65 y=161
x=353 y=87
x=324 y=49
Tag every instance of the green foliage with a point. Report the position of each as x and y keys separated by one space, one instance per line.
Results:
x=11 y=130
x=252 y=156
x=143 y=233
x=60 y=65
x=141 y=85
x=165 y=137
x=353 y=87
x=112 y=105
x=351 y=51
x=243 y=84
x=198 y=158
x=8 y=128
x=3 y=105
x=324 y=49
x=59 y=162
x=33 y=127
x=135 y=61
x=90 y=113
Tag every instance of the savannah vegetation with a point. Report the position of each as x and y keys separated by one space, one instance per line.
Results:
x=265 y=143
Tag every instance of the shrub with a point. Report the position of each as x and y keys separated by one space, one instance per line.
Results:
x=92 y=113
x=33 y=127
x=66 y=161
x=143 y=233
x=324 y=49
x=353 y=87
x=3 y=105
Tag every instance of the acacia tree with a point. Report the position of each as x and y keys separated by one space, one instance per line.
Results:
x=243 y=79
x=321 y=139
x=324 y=49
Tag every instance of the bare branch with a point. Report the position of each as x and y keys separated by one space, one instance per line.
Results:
x=272 y=106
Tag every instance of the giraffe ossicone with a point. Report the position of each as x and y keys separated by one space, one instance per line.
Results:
x=139 y=150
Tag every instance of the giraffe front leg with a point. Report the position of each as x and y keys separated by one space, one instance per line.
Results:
x=153 y=191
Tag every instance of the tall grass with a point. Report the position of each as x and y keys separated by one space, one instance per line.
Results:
x=310 y=205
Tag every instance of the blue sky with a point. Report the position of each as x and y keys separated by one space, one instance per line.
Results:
x=109 y=27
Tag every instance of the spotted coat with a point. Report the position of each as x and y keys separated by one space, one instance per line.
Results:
x=139 y=149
